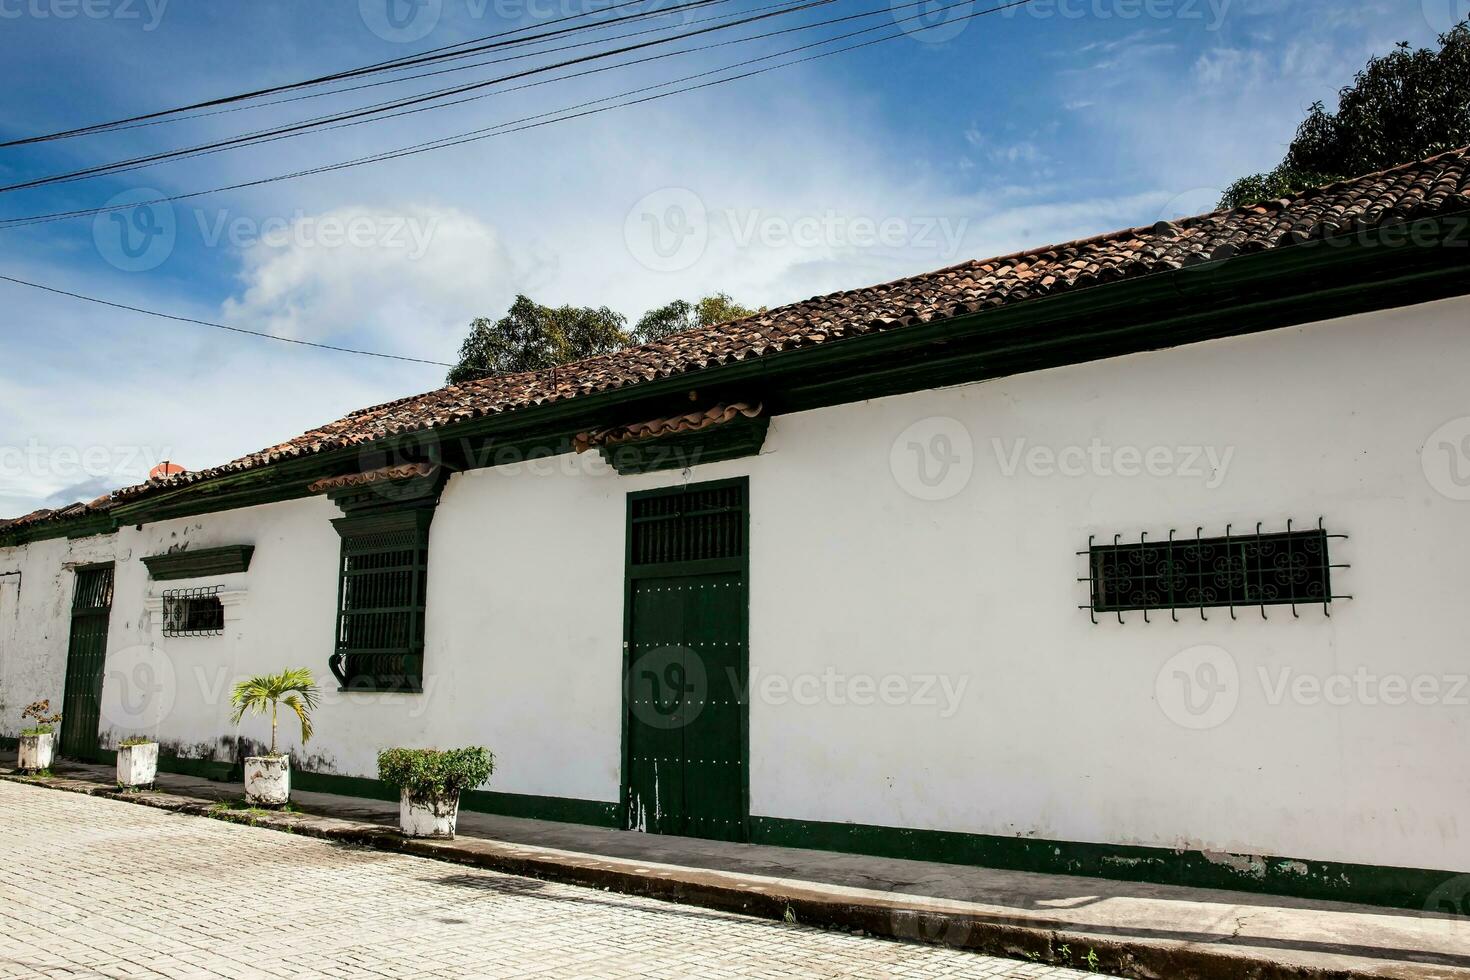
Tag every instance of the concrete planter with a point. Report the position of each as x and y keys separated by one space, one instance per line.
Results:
x=428 y=817
x=35 y=751
x=137 y=765
x=268 y=780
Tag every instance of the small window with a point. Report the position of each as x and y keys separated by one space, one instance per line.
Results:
x=707 y=522
x=193 y=612
x=380 y=607
x=1277 y=568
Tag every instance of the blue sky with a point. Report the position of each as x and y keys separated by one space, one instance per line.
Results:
x=1057 y=120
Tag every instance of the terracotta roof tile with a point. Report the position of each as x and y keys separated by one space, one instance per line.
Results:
x=1438 y=185
x=382 y=474
x=688 y=422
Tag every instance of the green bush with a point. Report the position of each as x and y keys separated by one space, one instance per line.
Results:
x=133 y=740
x=429 y=773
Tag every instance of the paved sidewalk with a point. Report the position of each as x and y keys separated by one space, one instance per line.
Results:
x=92 y=887
x=1131 y=929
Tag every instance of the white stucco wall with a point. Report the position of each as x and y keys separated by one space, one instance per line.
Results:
x=1019 y=716
x=35 y=620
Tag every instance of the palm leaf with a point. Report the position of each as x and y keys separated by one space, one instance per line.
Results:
x=297 y=704
x=295 y=687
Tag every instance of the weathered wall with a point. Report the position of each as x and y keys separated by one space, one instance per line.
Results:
x=35 y=620
x=950 y=592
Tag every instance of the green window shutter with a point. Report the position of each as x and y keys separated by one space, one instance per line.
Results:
x=383 y=577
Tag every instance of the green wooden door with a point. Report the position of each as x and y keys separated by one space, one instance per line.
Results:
x=91 y=604
x=686 y=662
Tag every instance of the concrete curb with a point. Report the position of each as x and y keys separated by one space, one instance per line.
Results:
x=916 y=920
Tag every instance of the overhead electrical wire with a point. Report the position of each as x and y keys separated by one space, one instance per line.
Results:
x=379 y=109
x=487 y=132
x=442 y=53
x=219 y=326
x=427 y=101
x=409 y=78
x=519 y=125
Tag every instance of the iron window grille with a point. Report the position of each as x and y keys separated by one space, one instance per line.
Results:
x=1261 y=569
x=699 y=524
x=381 y=601
x=193 y=612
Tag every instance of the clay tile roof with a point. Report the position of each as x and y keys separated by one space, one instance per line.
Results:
x=383 y=474
x=689 y=422
x=1438 y=185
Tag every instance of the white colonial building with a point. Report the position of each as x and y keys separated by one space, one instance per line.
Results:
x=1144 y=556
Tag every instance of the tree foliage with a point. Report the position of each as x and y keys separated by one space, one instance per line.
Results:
x=1406 y=105
x=532 y=337
x=682 y=315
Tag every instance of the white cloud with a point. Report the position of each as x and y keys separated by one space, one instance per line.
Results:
x=410 y=278
x=1234 y=67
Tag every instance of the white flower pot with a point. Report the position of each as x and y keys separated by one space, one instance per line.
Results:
x=268 y=780
x=137 y=765
x=35 y=751
x=428 y=817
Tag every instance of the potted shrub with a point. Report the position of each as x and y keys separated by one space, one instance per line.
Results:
x=268 y=777
x=429 y=782
x=38 y=742
x=137 y=762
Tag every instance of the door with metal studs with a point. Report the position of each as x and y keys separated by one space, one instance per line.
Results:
x=686 y=660
x=86 y=653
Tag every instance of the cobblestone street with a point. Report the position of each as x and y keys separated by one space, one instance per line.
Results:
x=98 y=888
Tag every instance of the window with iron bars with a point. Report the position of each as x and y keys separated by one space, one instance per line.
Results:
x=193 y=612
x=383 y=576
x=1290 y=567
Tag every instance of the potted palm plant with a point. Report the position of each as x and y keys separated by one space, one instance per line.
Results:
x=268 y=777
x=137 y=762
x=429 y=782
x=38 y=741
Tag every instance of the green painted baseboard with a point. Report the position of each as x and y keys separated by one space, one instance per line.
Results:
x=202 y=768
x=1407 y=888
x=557 y=808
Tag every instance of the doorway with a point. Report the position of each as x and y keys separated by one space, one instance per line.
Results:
x=685 y=662
x=86 y=651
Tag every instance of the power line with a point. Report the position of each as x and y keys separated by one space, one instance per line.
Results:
x=219 y=326
x=119 y=127
x=329 y=122
x=491 y=131
x=365 y=113
x=397 y=64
